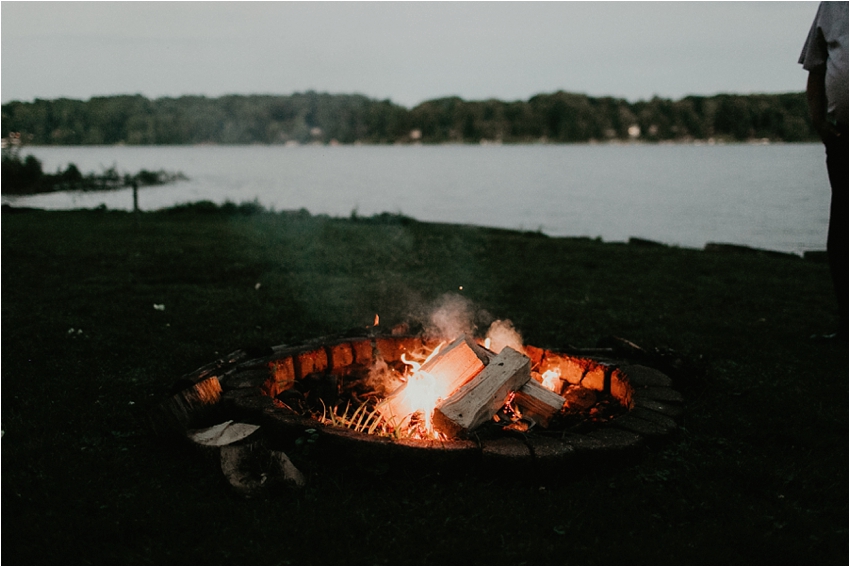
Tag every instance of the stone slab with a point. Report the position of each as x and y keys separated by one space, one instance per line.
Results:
x=654 y=417
x=642 y=427
x=505 y=449
x=246 y=378
x=667 y=395
x=249 y=400
x=621 y=387
x=616 y=441
x=674 y=411
x=550 y=450
x=645 y=377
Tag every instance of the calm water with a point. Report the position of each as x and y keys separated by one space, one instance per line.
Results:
x=770 y=196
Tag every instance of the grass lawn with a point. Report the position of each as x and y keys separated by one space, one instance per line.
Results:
x=757 y=475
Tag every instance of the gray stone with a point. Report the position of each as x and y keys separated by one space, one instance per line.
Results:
x=654 y=417
x=550 y=449
x=246 y=378
x=438 y=454
x=251 y=467
x=616 y=440
x=658 y=394
x=583 y=444
x=222 y=434
x=181 y=410
x=645 y=377
x=248 y=400
x=505 y=448
x=641 y=426
x=670 y=410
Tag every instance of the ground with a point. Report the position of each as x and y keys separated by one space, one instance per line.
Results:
x=757 y=474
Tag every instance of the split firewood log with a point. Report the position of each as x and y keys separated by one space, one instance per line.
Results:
x=479 y=399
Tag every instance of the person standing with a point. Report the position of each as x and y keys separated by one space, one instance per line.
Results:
x=824 y=56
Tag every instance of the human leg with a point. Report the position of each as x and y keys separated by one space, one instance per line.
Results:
x=837 y=237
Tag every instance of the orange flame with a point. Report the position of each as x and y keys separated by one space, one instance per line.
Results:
x=420 y=394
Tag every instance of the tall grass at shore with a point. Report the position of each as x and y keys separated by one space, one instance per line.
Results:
x=758 y=474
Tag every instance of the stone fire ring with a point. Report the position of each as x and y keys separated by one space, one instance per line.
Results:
x=242 y=386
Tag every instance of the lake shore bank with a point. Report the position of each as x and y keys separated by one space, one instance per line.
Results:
x=769 y=197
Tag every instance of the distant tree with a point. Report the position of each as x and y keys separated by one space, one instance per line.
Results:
x=312 y=117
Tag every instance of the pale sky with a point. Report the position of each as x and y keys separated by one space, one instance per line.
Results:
x=407 y=52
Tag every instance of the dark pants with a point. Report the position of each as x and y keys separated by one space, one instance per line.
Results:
x=837 y=238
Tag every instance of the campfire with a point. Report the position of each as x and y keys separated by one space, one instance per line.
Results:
x=375 y=392
x=443 y=389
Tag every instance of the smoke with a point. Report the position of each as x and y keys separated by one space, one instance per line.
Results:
x=501 y=334
x=382 y=379
x=451 y=316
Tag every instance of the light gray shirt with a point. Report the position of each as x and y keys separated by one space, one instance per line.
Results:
x=826 y=47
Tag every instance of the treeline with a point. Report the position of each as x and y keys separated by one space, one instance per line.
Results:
x=312 y=117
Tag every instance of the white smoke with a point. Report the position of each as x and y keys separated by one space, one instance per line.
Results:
x=501 y=334
x=451 y=316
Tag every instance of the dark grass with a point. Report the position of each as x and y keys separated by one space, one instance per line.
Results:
x=758 y=474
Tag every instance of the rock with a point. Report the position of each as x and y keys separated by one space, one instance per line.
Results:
x=290 y=474
x=658 y=394
x=645 y=377
x=674 y=411
x=246 y=378
x=250 y=468
x=654 y=417
x=642 y=426
x=578 y=399
x=222 y=434
x=505 y=449
x=550 y=450
x=615 y=441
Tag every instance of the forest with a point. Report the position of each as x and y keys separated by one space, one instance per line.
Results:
x=322 y=118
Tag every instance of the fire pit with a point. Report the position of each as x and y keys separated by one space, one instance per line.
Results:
x=439 y=400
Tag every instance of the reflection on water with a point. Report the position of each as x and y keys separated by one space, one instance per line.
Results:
x=774 y=197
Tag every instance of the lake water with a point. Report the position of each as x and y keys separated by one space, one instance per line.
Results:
x=766 y=196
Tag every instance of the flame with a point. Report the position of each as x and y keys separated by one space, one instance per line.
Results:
x=377 y=320
x=552 y=379
x=419 y=394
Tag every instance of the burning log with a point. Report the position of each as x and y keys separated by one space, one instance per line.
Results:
x=538 y=402
x=437 y=378
x=480 y=398
x=456 y=365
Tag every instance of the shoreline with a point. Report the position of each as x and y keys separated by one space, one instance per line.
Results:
x=229 y=208
x=483 y=143
x=612 y=191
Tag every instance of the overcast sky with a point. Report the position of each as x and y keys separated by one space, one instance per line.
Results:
x=405 y=51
